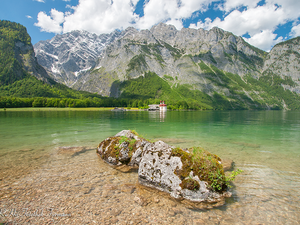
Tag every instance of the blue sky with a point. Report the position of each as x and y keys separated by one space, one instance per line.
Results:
x=262 y=23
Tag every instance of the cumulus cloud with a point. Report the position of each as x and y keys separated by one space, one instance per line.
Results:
x=251 y=21
x=229 y=5
x=101 y=16
x=264 y=40
x=175 y=22
x=39 y=1
x=295 y=32
x=50 y=23
x=258 y=21
x=104 y=16
x=290 y=7
x=29 y=17
x=171 y=12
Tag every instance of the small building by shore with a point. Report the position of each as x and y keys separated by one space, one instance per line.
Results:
x=153 y=107
x=162 y=106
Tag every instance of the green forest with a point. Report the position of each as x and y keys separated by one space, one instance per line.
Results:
x=10 y=68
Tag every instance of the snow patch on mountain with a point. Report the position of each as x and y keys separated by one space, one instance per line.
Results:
x=66 y=56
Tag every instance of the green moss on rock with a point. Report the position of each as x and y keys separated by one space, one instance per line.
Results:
x=119 y=149
x=111 y=145
x=203 y=164
x=190 y=184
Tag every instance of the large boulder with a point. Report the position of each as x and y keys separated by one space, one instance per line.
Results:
x=186 y=174
x=125 y=148
x=193 y=174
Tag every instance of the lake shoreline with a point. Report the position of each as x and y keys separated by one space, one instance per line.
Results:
x=29 y=109
x=66 y=109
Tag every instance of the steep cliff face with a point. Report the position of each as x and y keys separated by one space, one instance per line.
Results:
x=216 y=46
x=67 y=56
x=284 y=61
x=24 y=53
x=17 y=58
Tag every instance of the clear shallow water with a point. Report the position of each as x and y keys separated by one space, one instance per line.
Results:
x=265 y=144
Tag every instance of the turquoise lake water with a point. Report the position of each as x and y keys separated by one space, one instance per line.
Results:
x=265 y=144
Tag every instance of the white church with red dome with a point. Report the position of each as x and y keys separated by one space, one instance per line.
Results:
x=162 y=106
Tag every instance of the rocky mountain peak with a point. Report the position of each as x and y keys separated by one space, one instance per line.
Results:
x=66 y=56
x=164 y=32
x=284 y=61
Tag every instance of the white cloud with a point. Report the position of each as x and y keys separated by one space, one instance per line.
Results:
x=39 y=1
x=100 y=16
x=295 y=32
x=290 y=7
x=264 y=40
x=51 y=23
x=104 y=16
x=259 y=22
x=66 y=0
x=171 y=12
x=251 y=21
x=29 y=17
x=229 y=5
x=176 y=22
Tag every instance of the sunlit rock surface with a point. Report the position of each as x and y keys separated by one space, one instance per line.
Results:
x=197 y=176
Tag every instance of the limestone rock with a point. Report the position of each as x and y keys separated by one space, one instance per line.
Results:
x=24 y=53
x=157 y=168
x=162 y=168
x=66 y=56
x=284 y=61
x=125 y=148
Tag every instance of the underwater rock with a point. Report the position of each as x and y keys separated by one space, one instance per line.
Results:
x=191 y=174
x=227 y=164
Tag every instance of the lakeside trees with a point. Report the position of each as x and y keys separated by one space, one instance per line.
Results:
x=15 y=102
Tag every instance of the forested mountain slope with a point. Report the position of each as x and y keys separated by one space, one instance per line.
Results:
x=20 y=73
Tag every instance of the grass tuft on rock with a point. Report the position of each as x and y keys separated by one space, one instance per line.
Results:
x=205 y=165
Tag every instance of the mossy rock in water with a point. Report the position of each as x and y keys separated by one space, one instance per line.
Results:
x=125 y=148
x=191 y=174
